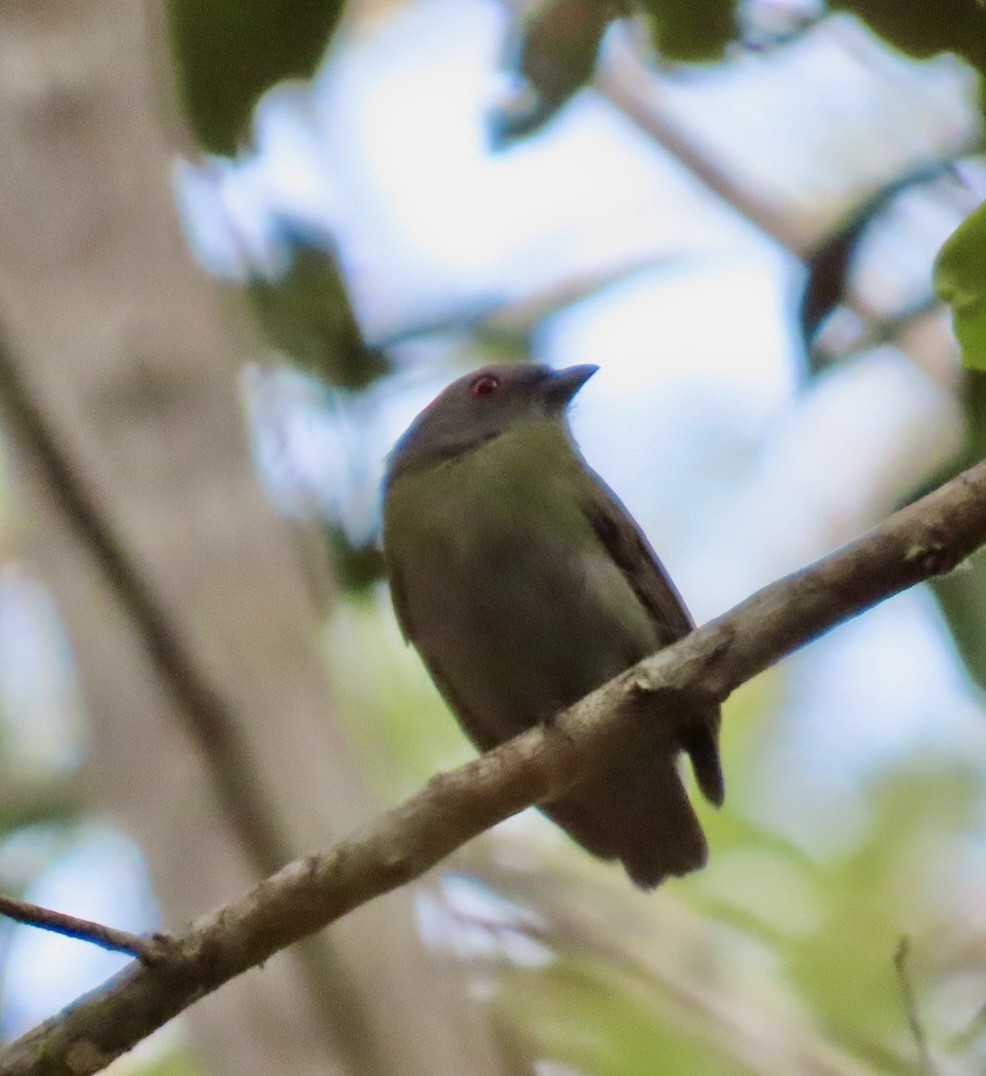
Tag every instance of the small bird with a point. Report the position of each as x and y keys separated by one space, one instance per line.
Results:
x=524 y=584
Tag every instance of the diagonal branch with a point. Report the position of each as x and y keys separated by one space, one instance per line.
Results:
x=926 y=539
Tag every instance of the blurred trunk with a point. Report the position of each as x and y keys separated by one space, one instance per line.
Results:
x=212 y=730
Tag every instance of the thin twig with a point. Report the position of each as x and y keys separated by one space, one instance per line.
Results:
x=911 y=1006
x=148 y=950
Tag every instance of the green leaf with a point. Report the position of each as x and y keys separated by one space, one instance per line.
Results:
x=960 y=279
x=608 y=1022
x=307 y=315
x=558 y=42
x=961 y=595
x=686 y=31
x=228 y=52
x=923 y=30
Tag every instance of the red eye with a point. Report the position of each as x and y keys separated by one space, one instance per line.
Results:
x=484 y=385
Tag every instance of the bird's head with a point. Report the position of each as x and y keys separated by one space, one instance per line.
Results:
x=483 y=405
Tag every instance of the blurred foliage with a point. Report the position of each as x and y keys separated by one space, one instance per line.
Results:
x=962 y=599
x=399 y=721
x=552 y=54
x=174 y=1063
x=620 y=1031
x=26 y=803
x=357 y=567
x=306 y=313
x=556 y=43
x=844 y=967
x=691 y=31
x=628 y=983
x=830 y=264
x=839 y=930
x=961 y=281
x=922 y=30
x=228 y=54
x=961 y=595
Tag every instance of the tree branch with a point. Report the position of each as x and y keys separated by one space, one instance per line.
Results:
x=928 y=538
x=118 y=941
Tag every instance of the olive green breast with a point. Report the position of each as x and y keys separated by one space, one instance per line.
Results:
x=502 y=584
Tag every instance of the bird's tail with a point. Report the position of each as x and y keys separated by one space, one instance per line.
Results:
x=639 y=813
x=702 y=744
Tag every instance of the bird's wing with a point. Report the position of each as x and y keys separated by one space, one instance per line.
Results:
x=629 y=549
x=398 y=598
x=626 y=544
x=475 y=729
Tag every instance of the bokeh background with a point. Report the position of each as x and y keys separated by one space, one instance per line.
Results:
x=735 y=212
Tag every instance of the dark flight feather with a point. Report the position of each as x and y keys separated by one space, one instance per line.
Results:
x=626 y=543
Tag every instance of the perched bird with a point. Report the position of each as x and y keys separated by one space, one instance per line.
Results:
x=524 y=584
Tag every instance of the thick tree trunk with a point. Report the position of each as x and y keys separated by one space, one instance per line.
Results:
x=212 y=730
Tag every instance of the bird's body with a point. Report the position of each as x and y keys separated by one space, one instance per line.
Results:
x=525 y=584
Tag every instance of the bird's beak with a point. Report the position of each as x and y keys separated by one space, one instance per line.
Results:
x=560 y=386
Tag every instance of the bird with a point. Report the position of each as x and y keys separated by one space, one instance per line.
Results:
x=524 y=584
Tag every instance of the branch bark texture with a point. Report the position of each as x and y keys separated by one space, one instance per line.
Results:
x=928 y=538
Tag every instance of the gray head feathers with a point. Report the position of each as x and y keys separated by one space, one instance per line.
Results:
x=483 y=405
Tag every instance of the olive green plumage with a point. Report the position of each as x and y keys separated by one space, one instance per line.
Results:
x=524 y=584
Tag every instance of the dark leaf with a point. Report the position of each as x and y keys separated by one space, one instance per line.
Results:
x=830 y=263
x=691 y=31
x=923 y=30
x=307 y=314
x=552 y=55
x=962 y=594
x=228 y=52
